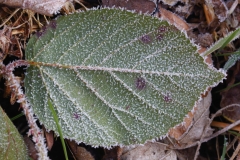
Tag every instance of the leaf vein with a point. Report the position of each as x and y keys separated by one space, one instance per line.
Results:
x=71 y=100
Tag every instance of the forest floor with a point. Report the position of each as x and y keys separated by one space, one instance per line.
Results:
x=204 y=22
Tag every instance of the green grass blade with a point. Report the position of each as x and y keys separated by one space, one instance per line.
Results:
x=222 y=42
x=17 y=116
x=224 y=149
x=232 y=60
x=58 y=127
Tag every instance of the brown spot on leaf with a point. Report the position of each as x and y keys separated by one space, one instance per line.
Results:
x=140 y=83
x=146 y=39
x=39 y=34
x=167 y=98
x=76 y=115
x=162 y=29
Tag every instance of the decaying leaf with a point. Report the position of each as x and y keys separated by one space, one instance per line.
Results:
x=150 y=151
x=79 y=152
x=174 y=19
x=32 y=152
x=231 y=97
x=49 y=138
x=173 y=2
x=137 y=5
x=113 y=153
x=45 y=7
x=5 y=39
x=114 y=77
x=194 y=125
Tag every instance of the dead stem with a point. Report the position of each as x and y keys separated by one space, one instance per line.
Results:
x=35 y=131
x=216 y=133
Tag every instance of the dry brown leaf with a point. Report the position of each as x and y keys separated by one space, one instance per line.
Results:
x=49 y=138
x=113 y=153
x=231 y=97
x=205 y=40
x=143 y=6
x=187 y=153
x=80 y=153
x=209 y=13
x=191 y=130
x=32 y=152
x=7 y=91
x=45 y=7
x=174 y=19
x=148 y=151
x=5 y=36
x=173 y=2
x=15 y=48
x=234 y=13
x=220 y=8
x=184 y=11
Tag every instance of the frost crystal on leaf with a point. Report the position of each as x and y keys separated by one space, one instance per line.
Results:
x=111 y=70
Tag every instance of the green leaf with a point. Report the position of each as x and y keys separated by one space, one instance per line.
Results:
x=12 y=146
x=232 y=60
x=223 y=42
x=114 y=77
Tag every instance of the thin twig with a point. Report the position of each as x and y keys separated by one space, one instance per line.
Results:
x=216 y=133
x=235 y=153
x=9 y=17
x=35 y=131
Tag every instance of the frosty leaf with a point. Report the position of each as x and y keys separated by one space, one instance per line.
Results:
x=223 y=42
x=232 y=60
x=12 y=146
x=114 y=77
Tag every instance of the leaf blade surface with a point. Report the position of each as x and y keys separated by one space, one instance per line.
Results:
x=115 y=77
x=12 y=146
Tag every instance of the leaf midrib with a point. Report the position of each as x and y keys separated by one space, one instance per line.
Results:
x=124 y=70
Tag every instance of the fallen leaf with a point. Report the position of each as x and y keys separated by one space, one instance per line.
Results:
x=194 y=125
x=174 y=19
x=5 y=39
x=173 y=2
x=142 y=6
x=49 y=138
x=185 y=154
x=32 y=152
x=148 y=151
x=80 y=153
x=113 y=153
x=231 y=97
x=205 y=40
x=209 y=12
x=220 y=8
x=45 y=7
